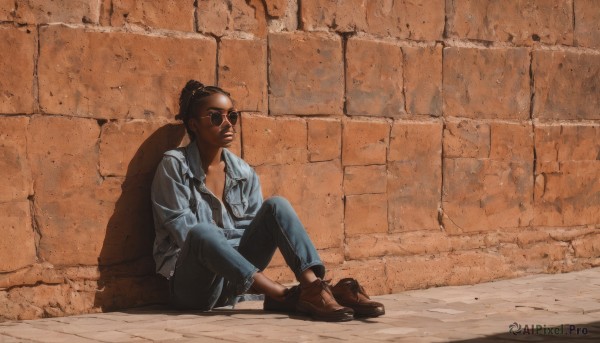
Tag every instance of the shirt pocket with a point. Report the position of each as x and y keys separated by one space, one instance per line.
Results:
x=237 y=201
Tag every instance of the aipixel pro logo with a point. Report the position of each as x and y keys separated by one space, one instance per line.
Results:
x=544 y=330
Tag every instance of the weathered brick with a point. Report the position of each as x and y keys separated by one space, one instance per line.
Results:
x=480 y=195
x=414 y=176
x=16 y=182
x=315 y=191
x=417 y=272
x=17 y=48
x=18 y=232
x=520 y=22
x=365 y=213
x=276 y=8
x=486 y=83
x=538 y=258
x=373 y=78
x=423 y=79
x=243 y=72
x=219 y=17
x=587 y=246
x=60 y=11
x=306 y=73
x=324 y=139
x=511 y=142
x=70 y=60
x=65 y=170
x=136 y=147
x=364 y=142
x=412 y=243
x=419 y=20
x=171 y=14
x=269 y=140
x=566 y=188
x=63 y=164
x=7 y=9
x=371 y=275
x=365 y=179
x=338 y=15
x=566 y=85
x=420 y=141
x=587 y=23
x=466 y=138
x=471 y=267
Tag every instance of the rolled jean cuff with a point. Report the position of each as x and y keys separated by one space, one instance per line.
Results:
x=317 y=266
x=246 y=283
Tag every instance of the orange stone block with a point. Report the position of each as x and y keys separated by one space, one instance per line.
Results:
x=587 y=246
x=519 y=22
x=219 y=17
x=364 y=142
x=269 y=140
x=466 y=138
x=57 y=11
x=566 y=85
x=338 y=15
x=483 y=195
x=587 y=19
x=136 y=147
x=16 y=182
x=486 y=83
x=511 y=142
x=412 y=19
x=17 y=248
x=373 y=78
x=365 y=179
x=365 y=213
x=423 y=79
x=315 y=192
x=414 y=176
x=306 y=74
x=243 y=72
x=566 y=187
x=324 y=139
x=276 y=8
x=17 y=49
x=135 y=83
x=171 y=14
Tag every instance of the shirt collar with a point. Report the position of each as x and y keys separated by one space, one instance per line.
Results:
x=195 y=163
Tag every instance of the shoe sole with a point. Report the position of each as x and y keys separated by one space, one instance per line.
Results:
x=333 y=317
x=371 y=314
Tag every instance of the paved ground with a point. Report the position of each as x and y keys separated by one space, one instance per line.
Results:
x=553 y=308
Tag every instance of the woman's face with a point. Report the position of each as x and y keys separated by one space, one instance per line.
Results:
x=203 y=127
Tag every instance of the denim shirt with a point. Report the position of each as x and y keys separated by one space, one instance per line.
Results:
x=181 y=200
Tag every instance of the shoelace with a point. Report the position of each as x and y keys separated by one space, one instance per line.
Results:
x=356 y=288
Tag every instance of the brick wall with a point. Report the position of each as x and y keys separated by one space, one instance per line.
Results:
x=423 y=143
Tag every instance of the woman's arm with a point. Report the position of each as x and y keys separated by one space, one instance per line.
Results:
x=171 y=196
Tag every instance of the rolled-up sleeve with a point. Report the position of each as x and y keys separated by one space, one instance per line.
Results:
x=171 y=201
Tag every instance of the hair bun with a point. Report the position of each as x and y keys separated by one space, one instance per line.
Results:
x=193 y=85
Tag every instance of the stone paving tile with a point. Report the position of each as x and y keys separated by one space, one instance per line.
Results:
x=477 y=313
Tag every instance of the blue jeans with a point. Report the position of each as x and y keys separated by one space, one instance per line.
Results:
x=210 y=272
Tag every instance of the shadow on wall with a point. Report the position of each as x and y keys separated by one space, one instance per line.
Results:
x=127 y=276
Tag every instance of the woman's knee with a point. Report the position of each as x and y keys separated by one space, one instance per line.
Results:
x=278 y=203
x=205 y=233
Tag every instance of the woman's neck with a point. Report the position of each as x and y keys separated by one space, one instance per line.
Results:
x=210 y=156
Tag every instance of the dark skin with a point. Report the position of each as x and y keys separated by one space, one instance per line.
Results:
x=211 y=140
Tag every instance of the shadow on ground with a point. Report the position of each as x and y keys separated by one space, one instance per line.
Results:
x=587 y=332
x=127 y=276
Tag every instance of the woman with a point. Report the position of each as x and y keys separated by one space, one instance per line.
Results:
x=215 y=235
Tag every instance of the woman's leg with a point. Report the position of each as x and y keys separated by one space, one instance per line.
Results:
x=206 y=261
x=277 y=225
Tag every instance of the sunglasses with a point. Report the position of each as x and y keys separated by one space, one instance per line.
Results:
x=216 y=118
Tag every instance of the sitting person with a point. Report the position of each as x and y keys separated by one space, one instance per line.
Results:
x=215 y=235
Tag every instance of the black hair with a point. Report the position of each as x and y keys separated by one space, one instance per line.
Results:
x=191 y=95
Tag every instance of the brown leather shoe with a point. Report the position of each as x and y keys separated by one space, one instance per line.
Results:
x=288 y=304
x=317 y=300
x=348 y=292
